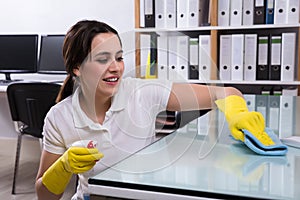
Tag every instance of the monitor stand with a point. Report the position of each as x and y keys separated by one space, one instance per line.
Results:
x=8 y=78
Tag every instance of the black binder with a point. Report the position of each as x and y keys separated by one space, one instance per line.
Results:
x=263 y=57
x=259 y=12
x=149 y=13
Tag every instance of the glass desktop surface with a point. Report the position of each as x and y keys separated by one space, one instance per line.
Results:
x=192 y=163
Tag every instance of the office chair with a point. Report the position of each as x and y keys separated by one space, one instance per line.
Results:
x=29 y=103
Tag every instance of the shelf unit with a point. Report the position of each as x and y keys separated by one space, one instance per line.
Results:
x=214 y=31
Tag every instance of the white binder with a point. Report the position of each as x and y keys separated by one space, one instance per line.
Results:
x=250 y=56
x=288 y=56
x=248 y=10
x=193 y=13
x=160 y=14
x=280 y=12
x=183 y=56
x=162 y=57
x=205 y=62
x=142 y=14
x=293 y=11
x=170 y=13
x=286 y=116
x=236 y=12
x=182 y=13
x=274 y=111
x=172 y=57
x=250 y=101
x=223 y=12
x=237 y=57
x=225 y=57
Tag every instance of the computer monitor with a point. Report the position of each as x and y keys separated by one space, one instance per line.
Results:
x=18 y=54
x=51 y=59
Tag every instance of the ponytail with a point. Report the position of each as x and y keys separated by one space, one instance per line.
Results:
x=66 y=89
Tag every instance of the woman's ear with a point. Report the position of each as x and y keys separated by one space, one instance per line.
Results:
x=76 y=71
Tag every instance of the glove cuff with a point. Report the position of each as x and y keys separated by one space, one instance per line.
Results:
x=232 y=105
x=56 y=178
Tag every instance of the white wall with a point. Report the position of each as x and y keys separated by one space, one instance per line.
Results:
x=56 y=17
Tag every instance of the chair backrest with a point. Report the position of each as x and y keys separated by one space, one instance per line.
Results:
x=29 y=103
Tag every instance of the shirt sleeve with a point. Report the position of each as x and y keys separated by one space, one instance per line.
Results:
x=52 y=137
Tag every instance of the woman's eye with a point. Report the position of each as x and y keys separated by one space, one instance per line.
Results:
x=102 y=61
x=119 y=59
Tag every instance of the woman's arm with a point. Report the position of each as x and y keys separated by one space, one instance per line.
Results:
x=47 y=159
x=197 y=97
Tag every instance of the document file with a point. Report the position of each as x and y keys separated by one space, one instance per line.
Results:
x=162 y=57
x=172 y=57
x=250 y=57
x=237 y=57
x=250 y=101
x=165 y=14
x=204 y=57
x=178 y=57
x=259 y=12
x=144 y=52
x=280 y=13
x=223 y=12
x=248 y=10
x=142 y=13
x=225 y=57
x=198 y=13
x=204 y=11
x=236 y=11
x=170 y=13
x=288 y=56
x=160 y=14
x=193 y=60
x=273 y=120
x=183 y=56
x=286 y=116
x=261 y=104
x=182 y=13
x=262 y=70
x=275 y=58
x=193 y=13
x=149 y=13
x=270 y=12
x=293 y=11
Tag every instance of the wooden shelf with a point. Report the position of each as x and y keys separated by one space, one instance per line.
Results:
x=209 y=28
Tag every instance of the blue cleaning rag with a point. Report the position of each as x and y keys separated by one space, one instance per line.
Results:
x=278 y=149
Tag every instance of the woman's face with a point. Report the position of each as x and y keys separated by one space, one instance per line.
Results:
x=104 y=67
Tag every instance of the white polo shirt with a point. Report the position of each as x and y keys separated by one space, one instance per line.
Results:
x=129 y=124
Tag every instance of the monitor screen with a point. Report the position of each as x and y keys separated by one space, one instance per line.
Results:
x=18 y=54
x=51 y=59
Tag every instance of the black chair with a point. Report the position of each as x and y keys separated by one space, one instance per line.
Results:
x=29 y=103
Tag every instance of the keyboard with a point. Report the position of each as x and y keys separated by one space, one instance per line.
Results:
x=5 y=82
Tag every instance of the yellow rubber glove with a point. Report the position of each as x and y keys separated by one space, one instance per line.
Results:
x=238 y=117
x=75 y=160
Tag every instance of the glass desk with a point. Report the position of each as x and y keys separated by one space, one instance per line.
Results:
x=201 y=161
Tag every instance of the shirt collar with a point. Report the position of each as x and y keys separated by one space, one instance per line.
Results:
x=81 y=119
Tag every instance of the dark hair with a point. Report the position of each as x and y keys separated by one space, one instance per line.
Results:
x=76 y=47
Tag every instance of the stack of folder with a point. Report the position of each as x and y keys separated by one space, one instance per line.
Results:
x=251 y=57
x=174 y=13
x=278 y=112
x=184 y=58
x=251 y=12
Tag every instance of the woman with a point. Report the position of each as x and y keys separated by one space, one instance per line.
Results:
x=117 y=113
